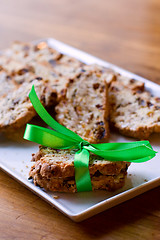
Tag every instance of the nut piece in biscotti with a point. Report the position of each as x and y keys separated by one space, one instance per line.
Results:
x=84 y=108
x=133 y=111
x=16 y=109
x=54 y=170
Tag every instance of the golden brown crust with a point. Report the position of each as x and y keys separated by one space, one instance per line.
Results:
x=109 y=183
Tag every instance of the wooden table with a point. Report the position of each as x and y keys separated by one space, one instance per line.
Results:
x=126 y=33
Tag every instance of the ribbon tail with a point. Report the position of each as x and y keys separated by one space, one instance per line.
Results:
x=137 y=153
x=82 y=175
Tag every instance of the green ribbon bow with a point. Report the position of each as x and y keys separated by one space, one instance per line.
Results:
x=63 y=138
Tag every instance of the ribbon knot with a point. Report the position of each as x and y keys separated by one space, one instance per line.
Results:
x=82 y=144
x=62 y=138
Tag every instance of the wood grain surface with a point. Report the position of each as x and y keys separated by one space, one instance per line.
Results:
x=126 y=33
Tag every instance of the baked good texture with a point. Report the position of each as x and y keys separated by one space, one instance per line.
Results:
x=23 y=65
x=54 y=170
x=16 y=109
x=84 y=107
x=134 y=112
x=22 y=60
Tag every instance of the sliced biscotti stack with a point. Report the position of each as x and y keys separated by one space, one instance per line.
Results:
x=54 y=171
x=84 y=108
x=133 y=111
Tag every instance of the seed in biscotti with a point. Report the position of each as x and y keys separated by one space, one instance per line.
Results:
x=114 y=89
x=99 y=106
x=149 y=104
x=100 y=123
x=8 y=77
x=74 y=93
x=54 y=94
x=102 y=89
x=16 y=101
x=79 y=75
x=142 y=102
x=38 y=78
x=63 y=92
x=60 y=56
x=99 y=133
x=71 y=80
x=96 y=86
x=157 y=107
x=22 y=71
x=52 y=62
x=132 y=81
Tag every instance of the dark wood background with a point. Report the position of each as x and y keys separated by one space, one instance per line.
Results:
x=126 y=33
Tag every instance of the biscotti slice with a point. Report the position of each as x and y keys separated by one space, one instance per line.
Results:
x=57 y=77
x=111 y=76
x=54 y=170
x=26 y=52
x=16 y=109
x=134 y=113
x=58 y=71
x=19 y=55
x=84 y=108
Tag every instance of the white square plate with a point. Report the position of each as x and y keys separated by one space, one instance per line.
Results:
x=15 y=160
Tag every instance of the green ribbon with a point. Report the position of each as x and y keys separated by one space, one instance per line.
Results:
x=63 y=138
